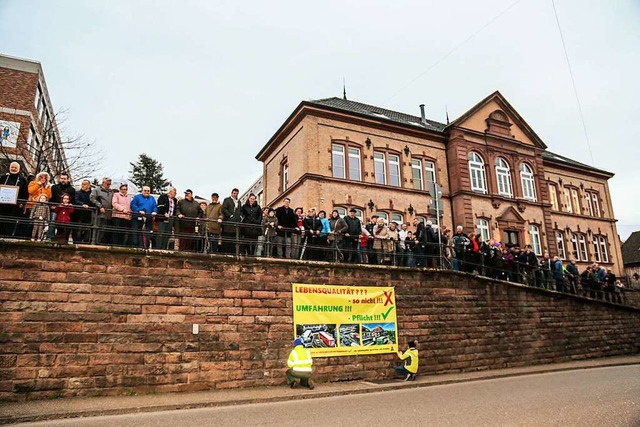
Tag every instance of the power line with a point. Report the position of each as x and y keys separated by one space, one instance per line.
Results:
x=573 y=82
x=495 y=18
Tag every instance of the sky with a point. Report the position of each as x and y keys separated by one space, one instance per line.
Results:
x=201 y=86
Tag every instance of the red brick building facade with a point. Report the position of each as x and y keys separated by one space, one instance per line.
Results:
x=27 y=119
x=496 y=174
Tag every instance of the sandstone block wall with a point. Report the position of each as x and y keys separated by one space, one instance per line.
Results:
x=90 y=321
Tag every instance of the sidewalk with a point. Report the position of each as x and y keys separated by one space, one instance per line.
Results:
x=16 y=412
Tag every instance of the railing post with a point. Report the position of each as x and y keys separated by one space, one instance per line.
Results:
x=237 y=239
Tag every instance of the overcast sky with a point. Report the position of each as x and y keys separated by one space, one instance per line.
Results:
x=202 y=85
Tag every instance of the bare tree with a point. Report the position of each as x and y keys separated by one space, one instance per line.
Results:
x=55 y=150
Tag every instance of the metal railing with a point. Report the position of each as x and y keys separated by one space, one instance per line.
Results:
x=200 y=235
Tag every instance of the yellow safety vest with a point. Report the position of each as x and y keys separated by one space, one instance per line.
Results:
x=412 y=355
x=300 y=359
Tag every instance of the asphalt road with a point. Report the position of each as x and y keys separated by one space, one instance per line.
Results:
x=589 y=397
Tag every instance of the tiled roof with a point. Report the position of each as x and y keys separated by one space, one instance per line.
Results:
x=631 y=249
x=548 y=155
x=378 y=113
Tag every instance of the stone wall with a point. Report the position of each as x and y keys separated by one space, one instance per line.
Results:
x=93 y=321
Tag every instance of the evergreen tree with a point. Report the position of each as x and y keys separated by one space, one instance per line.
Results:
x=147 y=171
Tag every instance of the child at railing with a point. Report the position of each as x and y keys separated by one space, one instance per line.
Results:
x=39 y=214
x=63 y=219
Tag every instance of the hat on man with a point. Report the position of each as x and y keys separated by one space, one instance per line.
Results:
x=215 y=195
x=188 y=191
x=352 y=210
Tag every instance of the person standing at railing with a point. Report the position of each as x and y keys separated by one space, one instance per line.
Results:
x=121 y=217
x=558 y=274
x=165 y=219
x=143 y=209
x=187 y=212
x=213 y=225
x=531 y=265
x=269 y=227
x=287 y=222
x=573 y=275
x=296 y=236
x=323 y=239
x=13 y=212
x=38 y=186
x=461 y=245
x=546 y=267
x=252 y=219
x=312 y=229
x=39 y=216
x=64 y=211
x=102 y=198
x=57 y=190
x=337 y=227
x=352 y=236
x=390 y=246
x=82 y=215
x=380 y=235
x=420 y=236
x=610 y=286
x=232 y=211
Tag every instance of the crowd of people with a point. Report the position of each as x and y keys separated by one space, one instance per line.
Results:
x=104 y=215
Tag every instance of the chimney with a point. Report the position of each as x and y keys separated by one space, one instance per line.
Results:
x=423 y=118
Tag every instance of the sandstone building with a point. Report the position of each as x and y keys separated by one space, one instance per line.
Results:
x=497 y=176
x=28 y=125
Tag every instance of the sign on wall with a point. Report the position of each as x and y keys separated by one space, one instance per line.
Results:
x=336 y=320
x=9 y=133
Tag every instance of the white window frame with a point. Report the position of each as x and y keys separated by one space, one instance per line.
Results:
x=575 y=200
x=567 y=199
x=477 y=174
x=341 y=211
x=394 y=170
x=360 y=214
x=596 y=249
x=354 y=155
x=338 y=161
x=536 y=244
x=553 y=196
x=482 y=227
x=583 y=248
x=603 y=246
x=503 y=176
x=379 y=161
x=285 y=176
x=596 y=205
x=429 y=172
x=528 y=182
x=384 y=216
x=416 y=169
x=562 y=250
x=398 y=218
x=574 y=244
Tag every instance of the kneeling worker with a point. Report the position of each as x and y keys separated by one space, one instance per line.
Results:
x=410 y=357
x=299 y=364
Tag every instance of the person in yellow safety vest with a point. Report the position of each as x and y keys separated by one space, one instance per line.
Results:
x=299 y=364
x=410 y=357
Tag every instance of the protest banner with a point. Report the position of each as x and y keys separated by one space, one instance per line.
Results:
x=333 y=320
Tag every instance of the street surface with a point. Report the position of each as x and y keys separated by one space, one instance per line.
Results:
x=590 y=397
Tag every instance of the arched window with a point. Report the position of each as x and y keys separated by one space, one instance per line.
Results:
x=476 y=170
x=384 y=216
x=503 y=175
x=482 y=227
x=528 y=183
x=341 y=211
x=397 y=218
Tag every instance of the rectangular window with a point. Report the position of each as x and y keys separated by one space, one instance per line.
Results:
x=30 y=137
x=534 y=231
x=574 y=244
x=596 y=249
x=337 y=159
x=37 y=99
x=567 y=200
x=482 y=225
x=596 y=204
x=285 y=176
x=583 y=248
x=430 y=171
x=379 y=168
x=354 y=164
x=603 y=249
x=575 y=199
x=394 y=170
x=397 y=218
x=416 y=170
x=553 y=196
x=562 y=254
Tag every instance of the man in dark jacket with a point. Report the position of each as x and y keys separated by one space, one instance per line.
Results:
x=352 y=236
x=15 y=211
x=461 y=245
x=57 y=190
x=102 y=198
x=312 y=228
x=83 y=213
x=167 y=204
x=287 y=222
x=187 y=211
x=232 y=212
x=572 y=276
